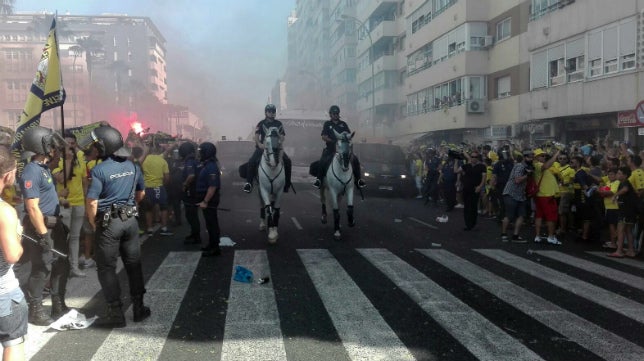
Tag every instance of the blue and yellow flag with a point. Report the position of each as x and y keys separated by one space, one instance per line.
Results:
x=46 y=90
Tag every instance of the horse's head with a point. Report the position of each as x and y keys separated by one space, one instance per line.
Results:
x=272 y=145
x=344 y=147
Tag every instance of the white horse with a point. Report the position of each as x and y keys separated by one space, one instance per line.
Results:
x=339 y=181
x=271 y=181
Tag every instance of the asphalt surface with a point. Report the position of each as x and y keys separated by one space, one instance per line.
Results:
x=398 y=286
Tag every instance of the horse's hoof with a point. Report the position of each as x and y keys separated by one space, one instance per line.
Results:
x=323 y=219
x=272 y=235
x=262 y=226
x=337 y=235
x=351 y=223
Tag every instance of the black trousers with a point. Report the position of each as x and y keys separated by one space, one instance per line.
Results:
x=470 y=207
x=192 y=216
x=37 y=264
x=120 y=237
x=212 y=225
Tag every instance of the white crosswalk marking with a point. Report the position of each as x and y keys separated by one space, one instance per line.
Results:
x=626 y=261
x=481 y=337
x=602 y=342
x=365 y=335
x=252 y=331
x=615 y=302
x=615 y=275
x=165 y=292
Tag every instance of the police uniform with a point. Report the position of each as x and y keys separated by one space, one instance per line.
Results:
x=329 y=128
x=36 y=182
x=253 y=162
x=191 y=167
x=114 y=183
x=209 y=176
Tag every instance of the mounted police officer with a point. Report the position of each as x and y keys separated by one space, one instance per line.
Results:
x=117 y=186
x=253 y=163
x=329 y=129
x=43 y=223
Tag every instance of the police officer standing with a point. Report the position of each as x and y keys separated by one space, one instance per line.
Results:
x=43 y=224
x=187 y=152
x=117 y=185
x=208 y=187
x=329 y=128
x=253 y=163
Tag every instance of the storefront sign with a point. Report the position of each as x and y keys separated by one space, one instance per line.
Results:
x=627 y=119
x=640 y=131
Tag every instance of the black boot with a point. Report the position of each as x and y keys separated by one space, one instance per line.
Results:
x=58 y=306
x=140 y=311
x=37 y=315
x=114 y=317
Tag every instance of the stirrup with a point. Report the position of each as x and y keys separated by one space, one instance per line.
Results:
x=318 y=183
x=361 y=184
x=248 y=188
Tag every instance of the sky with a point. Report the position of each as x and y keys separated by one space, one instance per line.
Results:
x=223 y=56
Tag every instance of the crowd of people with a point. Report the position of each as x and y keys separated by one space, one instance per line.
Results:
x=590 y=192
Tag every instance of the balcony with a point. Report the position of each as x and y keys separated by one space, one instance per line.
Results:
x=384 y=63
x=451 y=118
x=384 y=29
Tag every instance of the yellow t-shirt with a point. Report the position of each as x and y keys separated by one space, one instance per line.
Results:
x=566 y=175
x=548 y=186
x=76 y=196
x=154 y=167
x=637 y=179
x=608 y=201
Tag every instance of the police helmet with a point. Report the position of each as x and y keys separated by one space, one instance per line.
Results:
x=270 y=108
x=40 y=140
x=207 y=151
x=108 y=141
x=186 y=149
x=334 y=109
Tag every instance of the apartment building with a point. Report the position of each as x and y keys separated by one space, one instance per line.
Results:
x=487 y=70
x=113 y=68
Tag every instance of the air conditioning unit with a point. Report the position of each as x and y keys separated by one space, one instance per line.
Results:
x=476 y=106
x=488 y=40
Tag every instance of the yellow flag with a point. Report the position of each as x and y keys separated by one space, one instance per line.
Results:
x=46 y=90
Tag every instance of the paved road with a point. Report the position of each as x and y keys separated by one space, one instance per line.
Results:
x=399 y=286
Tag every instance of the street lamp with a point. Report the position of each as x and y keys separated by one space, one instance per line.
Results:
x=371 y=60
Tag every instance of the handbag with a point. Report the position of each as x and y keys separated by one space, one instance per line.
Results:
x=531 y=187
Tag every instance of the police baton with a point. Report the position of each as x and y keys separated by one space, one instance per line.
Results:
x=38 y=243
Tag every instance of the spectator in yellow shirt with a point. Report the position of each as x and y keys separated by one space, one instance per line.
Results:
x=156 y=174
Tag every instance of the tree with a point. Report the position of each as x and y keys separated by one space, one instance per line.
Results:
x=6 y=7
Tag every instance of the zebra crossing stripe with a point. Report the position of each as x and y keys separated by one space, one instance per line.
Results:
x=252 y=331
x=626 y=261
x=364 y=333
x=79 y=292
x=590 y=336
x=480 y=336
x=165 y=292
x=613 y=301
x=610 y=273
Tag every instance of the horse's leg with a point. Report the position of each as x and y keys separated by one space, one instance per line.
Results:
x=336 y=214
x=323 y=201
x=350 y=220
x=262 y=217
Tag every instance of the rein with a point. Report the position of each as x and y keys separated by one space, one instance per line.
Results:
x=344 y=184
x=266 y=174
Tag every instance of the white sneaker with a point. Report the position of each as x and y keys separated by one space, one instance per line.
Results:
x=538 y=239
x=554 y=240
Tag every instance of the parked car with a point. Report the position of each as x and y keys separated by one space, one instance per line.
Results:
x=385 y=169
x=231 y=154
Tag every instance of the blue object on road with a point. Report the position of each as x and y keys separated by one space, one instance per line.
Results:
x=243 y=274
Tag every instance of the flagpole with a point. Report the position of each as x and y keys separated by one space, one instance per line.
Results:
x=62 y=110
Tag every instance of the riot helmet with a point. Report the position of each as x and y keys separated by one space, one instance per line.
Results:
x=40 y=140
x=186 y=149
x=207 y=151
x=108 y=141
x=334 y=109
x=270 y=108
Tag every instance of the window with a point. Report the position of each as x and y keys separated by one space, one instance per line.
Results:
x=610 y=66
x=503 y=87
x=628 y=61
x=556 y=69
x=595 y=67
x=575 y=68
x=503 y=30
